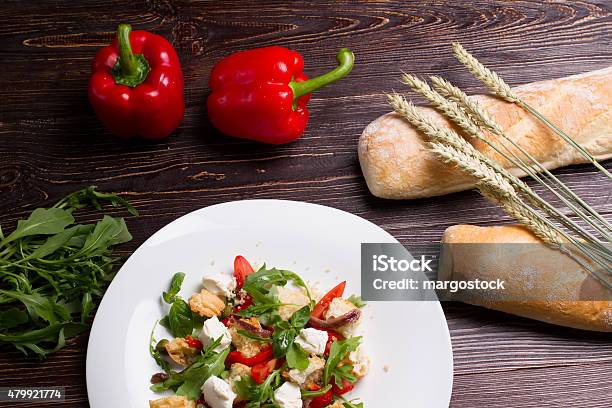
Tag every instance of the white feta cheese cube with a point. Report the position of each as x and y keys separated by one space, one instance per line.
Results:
x=312 y=340
x=218 y=393
x=214 y=329
x=288 y=395
x=221 y=284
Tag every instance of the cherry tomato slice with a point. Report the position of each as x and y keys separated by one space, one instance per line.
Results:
x=194 y=343
x=261 y=371
x=331 y=337
x=321 y=307
x=242 y=269
x=322 y=400
x=346 y=387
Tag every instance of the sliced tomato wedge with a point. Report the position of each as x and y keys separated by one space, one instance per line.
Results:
x=322 y=400
x=237 y=357
x=331 y=337
x=321 y=307
x=261 y=371
x=346 y=387
x=242 y=269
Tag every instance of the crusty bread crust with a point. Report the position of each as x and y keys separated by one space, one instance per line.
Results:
x=397 y=165
x=551 y=275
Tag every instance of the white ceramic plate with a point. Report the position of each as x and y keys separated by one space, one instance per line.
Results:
x=408 y=342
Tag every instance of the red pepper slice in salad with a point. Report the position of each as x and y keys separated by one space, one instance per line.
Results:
x=321 y=307
x=237 y=357
x=242 y=269
x=261 y=371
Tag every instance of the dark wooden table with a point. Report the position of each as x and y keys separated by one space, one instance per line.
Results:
x=52 y=144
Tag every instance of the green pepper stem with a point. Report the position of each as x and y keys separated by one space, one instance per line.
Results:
x=129 y=66
x=345 y=58
x=130 y=69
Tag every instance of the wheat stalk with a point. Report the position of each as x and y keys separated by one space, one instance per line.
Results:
x=494 y=181
x=500 y=88
x=481 y=119
x=517 y=210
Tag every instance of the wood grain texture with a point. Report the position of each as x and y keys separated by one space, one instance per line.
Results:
x=51 y=144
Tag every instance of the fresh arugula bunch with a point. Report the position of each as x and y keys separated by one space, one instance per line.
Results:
x=189 y=381
x=258 y=395
x=337 y=352
x=52 y=270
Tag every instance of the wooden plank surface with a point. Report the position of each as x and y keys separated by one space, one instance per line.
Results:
x=52 y=144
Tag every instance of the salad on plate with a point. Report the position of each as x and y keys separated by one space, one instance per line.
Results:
x=258 y=338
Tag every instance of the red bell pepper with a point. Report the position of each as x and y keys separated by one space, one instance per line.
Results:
x=261 y=94
x=237 y=357
x=323 y=304
x=136 y=87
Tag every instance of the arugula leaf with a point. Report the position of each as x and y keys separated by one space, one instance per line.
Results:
x=343 y=372
x=338 y=350
x=282 y=341
x=55 y=333
x=196 y=375
x=259 y=309
x=357 y=301
x=285 y=332
x=175 y=287
x=180 y=318
x=108 y=231
x=90 y=197
x=259 y=283
x=250 y=335
x=37 y=305
x=297 y=357
x=54 y=243
x=12 y=318
x=163 y=364
x=349 y=404
x=42 y=221
x=299 y=319
x=312 y=394
x=189 y=382
x=86 y=306
x=258 y=394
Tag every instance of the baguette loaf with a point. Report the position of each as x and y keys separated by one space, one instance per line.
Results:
x=397 y=164
x=530 y=271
